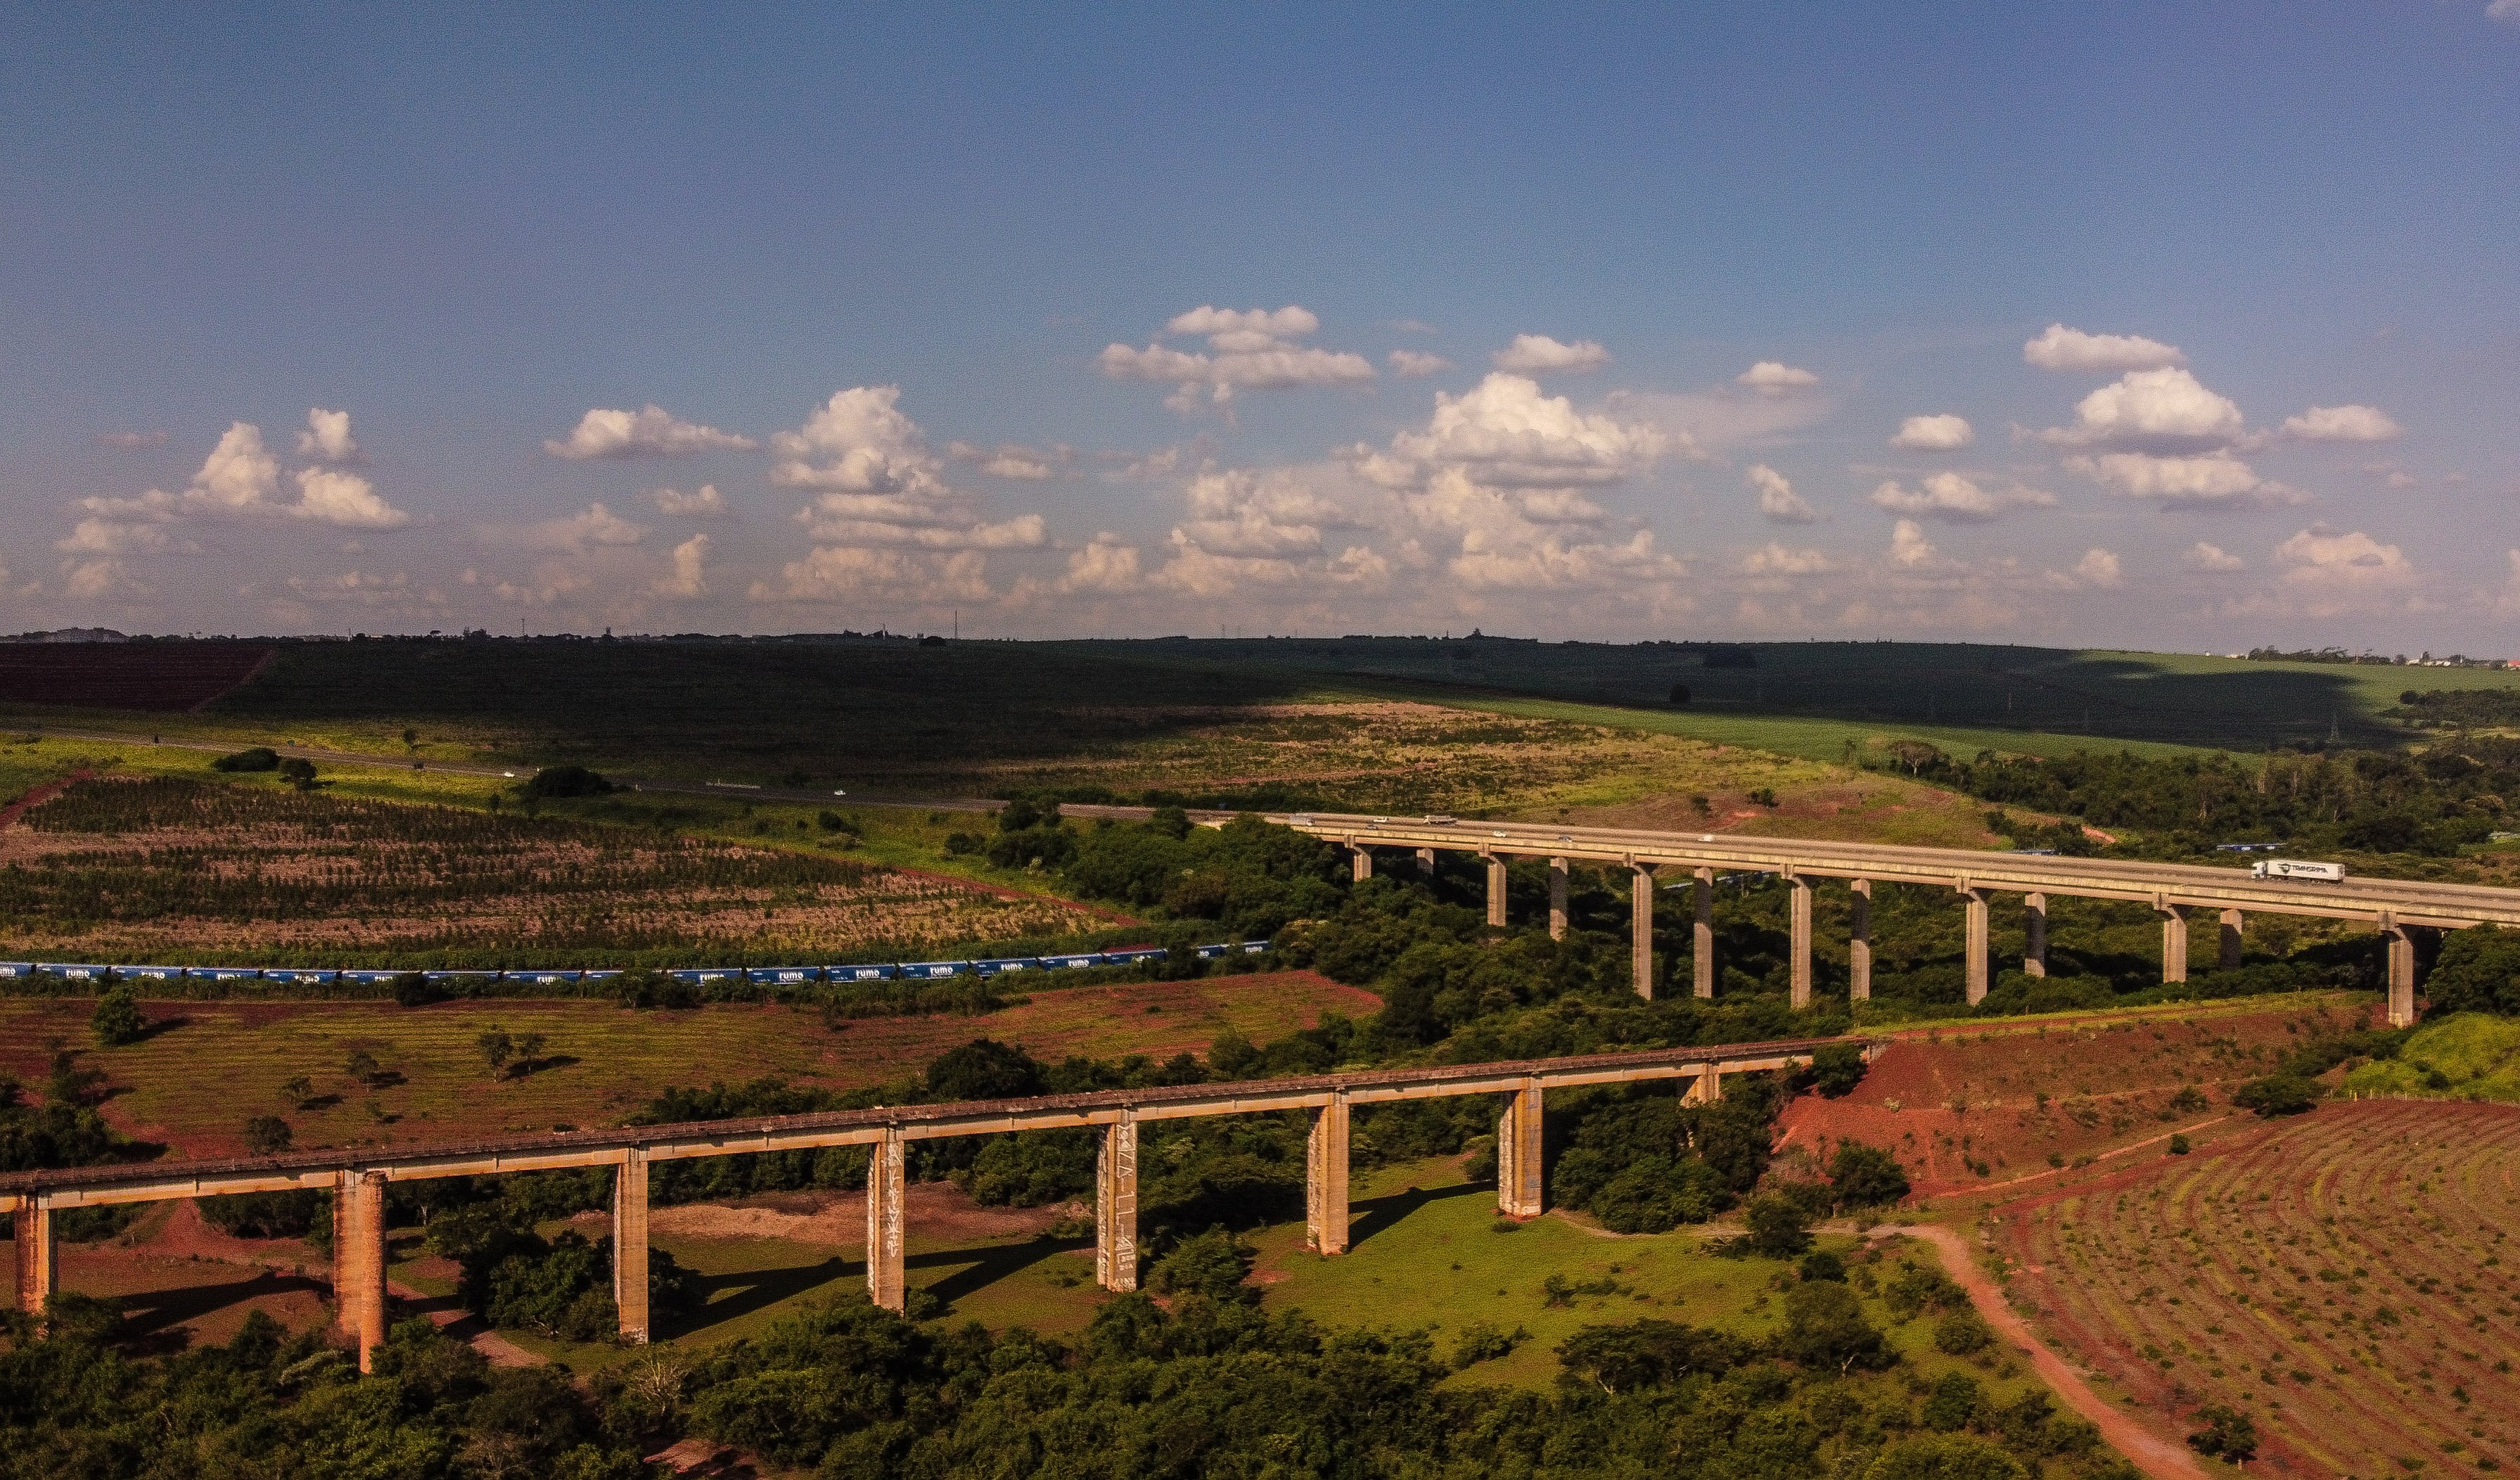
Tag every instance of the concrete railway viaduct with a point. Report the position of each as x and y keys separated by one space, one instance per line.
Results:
x=357 y=1177
x=2180 y=892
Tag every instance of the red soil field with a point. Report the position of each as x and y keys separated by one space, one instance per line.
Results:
x=2345 y=1277
x=162 y=676
x=1967 y=1111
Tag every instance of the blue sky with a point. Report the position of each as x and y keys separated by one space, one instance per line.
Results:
x=916 y=297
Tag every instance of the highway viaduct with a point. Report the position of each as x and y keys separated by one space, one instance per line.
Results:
x=357 y=1177
x=2177 y=891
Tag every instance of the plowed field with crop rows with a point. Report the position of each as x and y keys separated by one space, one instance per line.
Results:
x=2346 y=1278
x=172 y=870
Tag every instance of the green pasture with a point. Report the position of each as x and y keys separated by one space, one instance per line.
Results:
x=2467 y=1055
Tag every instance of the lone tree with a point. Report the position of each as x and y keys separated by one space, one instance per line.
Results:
x=266 y=1136
x=297 y=1090
x=117 y=1019
x=497 y=1047
x=361 y=1065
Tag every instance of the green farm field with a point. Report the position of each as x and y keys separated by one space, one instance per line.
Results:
x=207 y=1066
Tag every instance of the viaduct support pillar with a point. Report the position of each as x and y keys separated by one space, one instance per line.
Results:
x=1360 y=863
x=1800 y=913
x=2402 y=973
x=1521 y=1187
x=1706 y=1089
x=1641 y=910
x=2228 y=959
x=885 y=1285
x=1858 y=940
x=1701 y=965
x=1325 y=1179
x=38 y=1259
x=2174 y=943
x=1495 y=890
x=630 y=1245
x=1557 y=899
x=1973 y=951
x=2034 y=926
x=1426 y=863
x=359 y=1262
x=1115 y=1206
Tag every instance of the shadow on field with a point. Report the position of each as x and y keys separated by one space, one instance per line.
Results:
x=1375 y=1214
x=986 y=1266
x=151 y=1317
x=753 y=1290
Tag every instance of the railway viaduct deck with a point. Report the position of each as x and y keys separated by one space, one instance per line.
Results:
x=357 y=1177
x=2391 y=907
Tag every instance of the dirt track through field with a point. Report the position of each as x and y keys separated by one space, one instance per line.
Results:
x=2146 y=1450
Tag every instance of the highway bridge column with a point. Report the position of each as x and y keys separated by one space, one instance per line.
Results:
x=1858 y=940
x=1640 y=903
x=38 y=1258
x=1557 y=899
x=1521 y=1183
x=2228 y=959
x=1973 y=948
x=1360 y=863
x=1325 y=1179
x=2402 y=973
x=2034 y=929
x=2173 y=942
x=1427 y=863
x=1706 y=1089
x=1495 y=890
x=1115 y=1206
x=885 y=1167
x=1801 y=915
x=1701 y=965
x=630 y=1245
x=359 y=1260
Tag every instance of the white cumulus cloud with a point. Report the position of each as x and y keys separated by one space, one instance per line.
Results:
x=592 y=525
x=327 y=437
x=1934 y=433
x=2334 y=570
x=2099 y=567
x=649 y=432
x=1505 y=433
x=2061 y=348
x=1247 y=349
x=1909 y=547
x=2204 y=556
x=2159 y=411
x=1409 y=364
x=2213 y=480
x=1779 y=503
x=1956 y=499
x=701 y=503
x=1772 y=378
x=1774 y=558
x=2343 y=424
x=687 y=581
x=241 y=478
x=1539 y=354
x=871 y=579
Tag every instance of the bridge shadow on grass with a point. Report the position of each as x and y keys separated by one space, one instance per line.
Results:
x=979 y=1268
x=733 y=1296
x=153 y=1319
x=1375 y=1214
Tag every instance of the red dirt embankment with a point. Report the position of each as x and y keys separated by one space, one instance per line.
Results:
x=37 y=796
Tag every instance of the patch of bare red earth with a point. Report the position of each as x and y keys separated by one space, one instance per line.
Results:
x=1950 y=1102
x=166 y=677
x=2226 y=1274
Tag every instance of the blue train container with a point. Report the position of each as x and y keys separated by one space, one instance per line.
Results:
x=83 y=975
x=1215 y=952
x=301 y=977
x=1134 y=955
x=223 y=974
x=540 y=978
x=933 y=970
x=1072 y=962
x=1255 y=947
x=783 y=976
x=860 y=973
x=456 y=981
x=703 y=976
x=16 y=970
x=605 y=973
x=149 y=973
x=368 y=977
x=1001 y=963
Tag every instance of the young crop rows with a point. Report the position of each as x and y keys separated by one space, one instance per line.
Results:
x=2346 y=1277
x=180 y=870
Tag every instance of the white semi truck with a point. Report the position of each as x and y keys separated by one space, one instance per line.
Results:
x=2301 y=869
